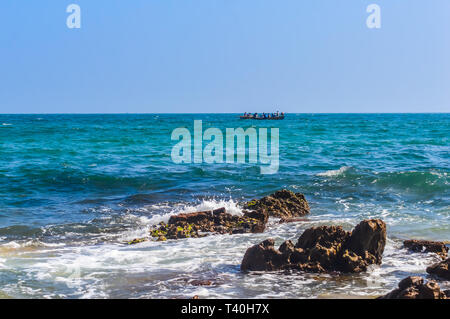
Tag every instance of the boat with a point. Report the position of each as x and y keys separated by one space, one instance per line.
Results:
x=261 y=117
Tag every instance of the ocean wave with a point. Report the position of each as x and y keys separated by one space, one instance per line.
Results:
x=336 y=172
x=111 y=225
x=230 y=205
x=430 y=181
x=68 y=178
x=427 y=181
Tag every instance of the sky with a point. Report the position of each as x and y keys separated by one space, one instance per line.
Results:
x=224 y=56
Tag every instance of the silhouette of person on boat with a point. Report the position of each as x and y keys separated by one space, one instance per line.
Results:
x=264 y=116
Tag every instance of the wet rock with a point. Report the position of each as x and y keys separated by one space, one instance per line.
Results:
x=137 y=241
x=427 y=246
x=440 y=269
x=322 y=249
x=201 y=283
x=365 y=246
x=263 y=256
x=199 y=224
x=416 y=288
x=283 y=203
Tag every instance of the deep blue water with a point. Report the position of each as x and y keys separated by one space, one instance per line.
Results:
x=96 y=180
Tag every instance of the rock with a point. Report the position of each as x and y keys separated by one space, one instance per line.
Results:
x=322 y=245
x=263 y=257
x=322 y=249
x=416 y=288
x=201 y=283
x=440 y=269
x=365 y=245
x=137 y=241
x=283 y=203
x=218 y=221
x=427 y=246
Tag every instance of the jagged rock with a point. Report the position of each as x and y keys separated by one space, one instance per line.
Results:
x=263 y=257
x=201 y=282
x=322 y=249
x=427 y=246
x=283 y=203
x=416 y=288
x=198 y=224
x=365 y=245
x=321 y=245
x=440 y=269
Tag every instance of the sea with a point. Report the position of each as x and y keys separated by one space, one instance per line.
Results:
x=74 y=189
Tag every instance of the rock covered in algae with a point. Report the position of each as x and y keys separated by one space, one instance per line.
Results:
x=200 y=224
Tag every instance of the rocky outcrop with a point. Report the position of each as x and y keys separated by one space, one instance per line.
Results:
x=416 y=288
x=322 y=249
x=440 y=269
x=427 y=246
x=199 y=224
x=284 y=204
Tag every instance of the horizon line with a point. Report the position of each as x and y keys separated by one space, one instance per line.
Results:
x=162 y=113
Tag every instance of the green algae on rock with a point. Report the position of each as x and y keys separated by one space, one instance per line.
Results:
x=200 y=224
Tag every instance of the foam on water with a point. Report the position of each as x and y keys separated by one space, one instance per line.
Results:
x=335 y=172
x=155 y=269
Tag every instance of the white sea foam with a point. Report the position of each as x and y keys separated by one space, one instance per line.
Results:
x=230 y=205
x=164 y=269
x=334 y=173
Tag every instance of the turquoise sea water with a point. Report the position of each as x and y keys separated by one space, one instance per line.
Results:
x=74 y=188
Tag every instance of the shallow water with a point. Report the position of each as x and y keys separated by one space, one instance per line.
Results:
x=75 y=188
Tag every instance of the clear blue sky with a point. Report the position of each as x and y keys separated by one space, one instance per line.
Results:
x=149 y=56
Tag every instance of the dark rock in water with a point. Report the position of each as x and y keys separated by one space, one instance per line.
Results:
x=263 y=257
x=198 y=224
x=201 y=283
x=427 y=246
x=440 y=269
x=365 y=246
x=137 y=241
x=322 y=249
x=283 y=203
x=416 y=288
x=321 y=245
